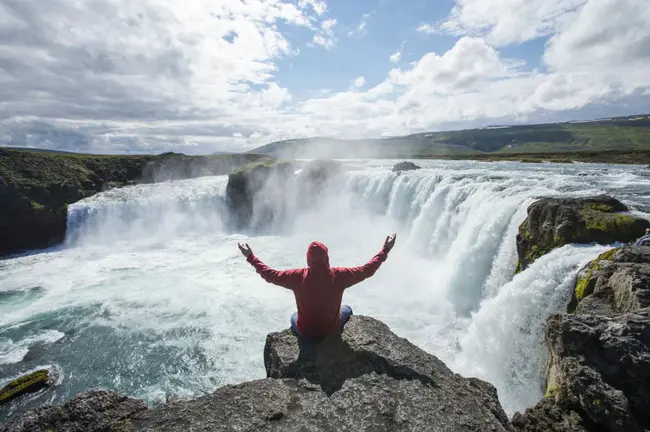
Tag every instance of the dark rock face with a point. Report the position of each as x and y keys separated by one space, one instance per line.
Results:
x=599 y=365
x=405 y=166
x=555 y=222
x=366 y=380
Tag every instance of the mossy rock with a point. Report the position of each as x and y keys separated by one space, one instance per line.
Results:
x=26 y=384
x=587 y=278
x=555 y=222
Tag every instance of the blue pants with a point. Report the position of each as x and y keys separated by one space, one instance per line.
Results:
x=344 y=317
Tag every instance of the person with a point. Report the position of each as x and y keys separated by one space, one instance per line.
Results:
x=645 y=240
x=318 y=289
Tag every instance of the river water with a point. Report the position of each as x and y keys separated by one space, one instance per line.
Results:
x=150 y=296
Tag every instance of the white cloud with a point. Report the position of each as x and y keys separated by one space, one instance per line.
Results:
x=319 y=6
x=358 y=83
x=503 y=22
x=427 y=29
x=396 y=57
x=362 y=28
x=325 y=37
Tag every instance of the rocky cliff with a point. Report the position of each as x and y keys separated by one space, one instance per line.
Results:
x=369 y=379
x=37 y=187
x=555 y=222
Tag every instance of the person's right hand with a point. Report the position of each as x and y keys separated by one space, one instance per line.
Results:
x=245 y=250
x=390 y=242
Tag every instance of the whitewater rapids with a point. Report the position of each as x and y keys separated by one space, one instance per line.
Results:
x=150 y=296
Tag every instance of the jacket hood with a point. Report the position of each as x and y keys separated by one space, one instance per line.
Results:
x=317 y=256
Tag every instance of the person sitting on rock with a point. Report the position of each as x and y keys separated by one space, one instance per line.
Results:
x=318 y=289
x=645 y=240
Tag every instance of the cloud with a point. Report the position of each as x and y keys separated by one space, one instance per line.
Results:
x=152 y=76
x=426 y=29
x=397 y=55
x=358 y=83
x=319 y=6
x=504 y=22
x=362 y=28
x=325 y=37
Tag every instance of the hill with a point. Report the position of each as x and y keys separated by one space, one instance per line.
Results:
x=622 y=134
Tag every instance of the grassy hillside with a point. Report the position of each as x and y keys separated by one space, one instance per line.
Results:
x=624 y=134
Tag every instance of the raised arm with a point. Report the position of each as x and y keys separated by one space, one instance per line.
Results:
x=349 y=276
x=290 y=279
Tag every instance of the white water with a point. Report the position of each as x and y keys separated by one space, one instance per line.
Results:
x=154 y=299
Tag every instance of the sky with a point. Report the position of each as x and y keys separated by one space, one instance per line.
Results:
x=199 y=76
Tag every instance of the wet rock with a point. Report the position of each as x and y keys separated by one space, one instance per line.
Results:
x=555 y=222
x=30 y=383
x=405 y=166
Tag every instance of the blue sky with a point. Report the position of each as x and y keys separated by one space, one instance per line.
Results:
x=208 y=75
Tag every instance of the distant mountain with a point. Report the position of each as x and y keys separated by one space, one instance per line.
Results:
x=622 y=133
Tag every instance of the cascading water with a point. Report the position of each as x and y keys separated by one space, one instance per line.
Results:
x=151 y=297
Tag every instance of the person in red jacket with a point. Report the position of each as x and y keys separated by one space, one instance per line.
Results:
x=318 y=289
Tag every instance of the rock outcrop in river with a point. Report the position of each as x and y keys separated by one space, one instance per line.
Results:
x=260 y=194
x=555 y=222
x=367 y=380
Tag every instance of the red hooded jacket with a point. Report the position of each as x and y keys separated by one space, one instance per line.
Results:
x=318 y=288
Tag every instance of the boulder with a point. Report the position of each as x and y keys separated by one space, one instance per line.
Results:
x=30 y=383
x=555 y=222
x=368 y=379
x=405 y=166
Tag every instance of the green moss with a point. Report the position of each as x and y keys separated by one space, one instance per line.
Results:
x=38 y=207
x=266 y=163
x=601 y=207
x=518 y=269
x=582 y=288
x=26 y=384
x=551 y=391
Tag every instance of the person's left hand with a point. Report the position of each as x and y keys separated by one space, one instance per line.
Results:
x=245 y=250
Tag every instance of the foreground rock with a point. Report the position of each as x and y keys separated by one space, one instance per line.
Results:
x=599 y=366
x=405 y=166
x=37 y=187
x=555 y=222
x=30 y=383
x=368 y=380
